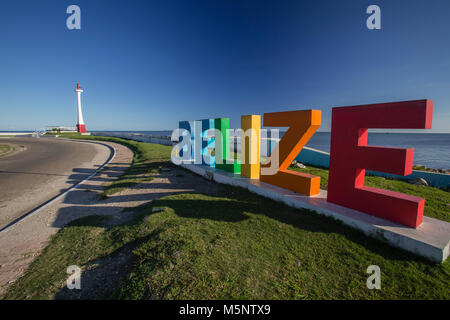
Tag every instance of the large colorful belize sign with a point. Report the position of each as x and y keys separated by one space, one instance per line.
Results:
x=350 y=155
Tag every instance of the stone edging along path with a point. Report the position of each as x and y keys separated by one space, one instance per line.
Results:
x=23 y=241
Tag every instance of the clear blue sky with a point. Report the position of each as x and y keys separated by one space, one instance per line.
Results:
x=145 y=65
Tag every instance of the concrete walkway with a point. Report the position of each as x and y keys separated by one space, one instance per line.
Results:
x=22 y=242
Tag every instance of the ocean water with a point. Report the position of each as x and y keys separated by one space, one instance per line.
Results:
x=430 y=149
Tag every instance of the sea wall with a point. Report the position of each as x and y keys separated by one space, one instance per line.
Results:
x=164 y=140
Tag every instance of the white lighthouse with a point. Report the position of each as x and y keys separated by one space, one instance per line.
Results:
x=81 y=127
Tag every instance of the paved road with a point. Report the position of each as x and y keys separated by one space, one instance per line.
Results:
x=41 y=168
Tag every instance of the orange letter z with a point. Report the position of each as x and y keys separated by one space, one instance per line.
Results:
x=302 y=125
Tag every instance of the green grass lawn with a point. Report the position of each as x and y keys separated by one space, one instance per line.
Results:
x=233 y=245
x=4 y=149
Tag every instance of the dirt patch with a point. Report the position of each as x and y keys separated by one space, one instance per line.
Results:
x=100 y=279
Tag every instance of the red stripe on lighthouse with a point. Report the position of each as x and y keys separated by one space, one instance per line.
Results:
x=81 y=128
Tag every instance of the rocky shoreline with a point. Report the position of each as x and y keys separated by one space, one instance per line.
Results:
x=421 y=167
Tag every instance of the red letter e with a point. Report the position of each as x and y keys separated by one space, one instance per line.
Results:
x=350 y=156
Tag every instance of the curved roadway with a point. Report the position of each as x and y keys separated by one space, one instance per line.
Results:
x=41 y=168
